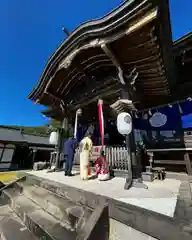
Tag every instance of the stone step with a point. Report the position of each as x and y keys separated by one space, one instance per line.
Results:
x=76 y=195
x=42 y=224
x=63 y=209
x=188 y=229
x=97 y=225
x=11 y=226
x=184 y=207
x=55 y=211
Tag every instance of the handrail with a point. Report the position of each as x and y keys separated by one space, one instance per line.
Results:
x=169 y=149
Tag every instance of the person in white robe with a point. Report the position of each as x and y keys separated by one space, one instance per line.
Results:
x=85 y=147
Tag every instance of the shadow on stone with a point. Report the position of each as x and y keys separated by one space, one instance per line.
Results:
x=97 y=227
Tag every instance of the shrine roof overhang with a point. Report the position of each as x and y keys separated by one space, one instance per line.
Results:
x=53 y=112
x=183 y=49
x=183 y=44
x=87 y=116
x=134 y=37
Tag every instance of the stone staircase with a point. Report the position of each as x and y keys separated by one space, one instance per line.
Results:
x=183 y=212
x=37 y=208
x=188 y=210
x=31 y=209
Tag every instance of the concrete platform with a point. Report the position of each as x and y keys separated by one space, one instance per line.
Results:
x=160 y=197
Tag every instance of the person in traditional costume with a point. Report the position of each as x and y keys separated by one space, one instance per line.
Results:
x=85 y=148
x=102 y=168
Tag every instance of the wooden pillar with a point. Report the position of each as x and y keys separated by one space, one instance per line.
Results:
x=65 y=124
x=2 y=147
x=33 y=156
x=61 y=133
x=64 y=131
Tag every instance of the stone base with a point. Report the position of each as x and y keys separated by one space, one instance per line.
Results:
x=41 y=165
x=119 y=173
x=147 y=176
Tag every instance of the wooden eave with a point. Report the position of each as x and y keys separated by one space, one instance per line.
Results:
x=183 y=44
x=54 y=113
x=148 y=48
x=183 y=58
x=183 y=48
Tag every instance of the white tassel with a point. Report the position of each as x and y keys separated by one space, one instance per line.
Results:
x=180 y=109
x=150 y=113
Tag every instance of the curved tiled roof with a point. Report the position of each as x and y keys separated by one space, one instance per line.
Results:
x=9 y=134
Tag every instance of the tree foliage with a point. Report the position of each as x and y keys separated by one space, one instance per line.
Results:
x=53 y=125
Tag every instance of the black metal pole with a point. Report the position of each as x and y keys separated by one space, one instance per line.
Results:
x=129 y=179
x=129 y=144
x=57 y=161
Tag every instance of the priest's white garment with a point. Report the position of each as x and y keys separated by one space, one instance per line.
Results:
x=85 y=152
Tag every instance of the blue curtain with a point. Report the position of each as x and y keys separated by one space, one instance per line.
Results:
x=174 y=119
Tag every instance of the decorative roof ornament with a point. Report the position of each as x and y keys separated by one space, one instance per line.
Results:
x=123 y=105
x=65 y=30
x=68 y=60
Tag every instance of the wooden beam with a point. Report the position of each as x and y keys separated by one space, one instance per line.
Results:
x=156 y=91
x=70 y=74
x=103 y=94
x=89 y=87
x=148 y=44
x=154 y=67
x=145 y=79
x=142 y=21
x=146 y=60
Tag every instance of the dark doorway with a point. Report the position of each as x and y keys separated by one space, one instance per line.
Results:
x=21 y=158
x=42 y=156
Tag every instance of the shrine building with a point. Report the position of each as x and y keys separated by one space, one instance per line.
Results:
x=127 y=54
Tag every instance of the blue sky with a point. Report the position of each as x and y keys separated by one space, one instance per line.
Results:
x=31 y=30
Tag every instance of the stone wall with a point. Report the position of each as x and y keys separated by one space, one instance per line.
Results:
x=120 y=231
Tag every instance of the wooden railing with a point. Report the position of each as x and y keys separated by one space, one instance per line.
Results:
x=117 y=157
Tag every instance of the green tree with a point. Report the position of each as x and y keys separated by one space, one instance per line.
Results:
x=46 y=129
x=54 y=124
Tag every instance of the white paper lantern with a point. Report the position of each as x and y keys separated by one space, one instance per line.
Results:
x=53 y=139
x=124 y=123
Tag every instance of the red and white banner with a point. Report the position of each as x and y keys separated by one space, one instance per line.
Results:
x=101 y=121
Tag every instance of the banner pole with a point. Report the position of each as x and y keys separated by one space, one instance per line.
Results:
x=101 y=121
